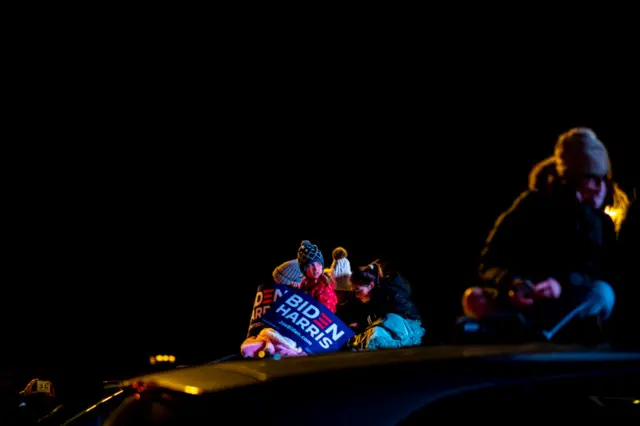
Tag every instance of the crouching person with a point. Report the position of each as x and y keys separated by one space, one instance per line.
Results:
x=381 y=311
x=550 y=255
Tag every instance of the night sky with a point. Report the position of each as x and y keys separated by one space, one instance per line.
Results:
x=150 y=233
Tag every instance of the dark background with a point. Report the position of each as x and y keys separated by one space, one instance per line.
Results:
x=124 y=252
x=154 y=188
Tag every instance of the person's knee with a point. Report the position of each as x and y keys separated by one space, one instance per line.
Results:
x=477 y=303
x=605 y=297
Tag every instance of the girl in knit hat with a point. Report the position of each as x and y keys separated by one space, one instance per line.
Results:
x=340 y=270
x=316 y=282
x=262 y=341
x=288 y=273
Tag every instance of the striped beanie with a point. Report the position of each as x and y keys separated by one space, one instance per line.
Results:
x=288 y=273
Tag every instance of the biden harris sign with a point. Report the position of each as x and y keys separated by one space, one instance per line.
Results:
x=303 y=319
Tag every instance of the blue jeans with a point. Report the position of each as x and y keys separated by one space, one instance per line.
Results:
x=596 y=299
x=391 y=331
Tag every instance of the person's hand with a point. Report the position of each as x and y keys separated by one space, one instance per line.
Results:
x=285 y=350
x=547 y=289
x=520 y=295
x=252 y=346
x=28 y=390
x=269 y=342
x=31 y=389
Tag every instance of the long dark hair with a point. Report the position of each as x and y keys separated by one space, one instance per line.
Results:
x=365 y=275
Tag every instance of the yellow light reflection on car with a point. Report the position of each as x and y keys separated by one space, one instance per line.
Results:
x=192 y=390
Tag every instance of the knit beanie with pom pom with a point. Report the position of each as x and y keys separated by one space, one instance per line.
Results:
x=341 y=269
x=307 y=254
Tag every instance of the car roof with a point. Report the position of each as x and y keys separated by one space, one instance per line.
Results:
x=232 y=374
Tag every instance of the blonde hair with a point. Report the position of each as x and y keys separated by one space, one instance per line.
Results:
x=619 y=207
x=617 y=201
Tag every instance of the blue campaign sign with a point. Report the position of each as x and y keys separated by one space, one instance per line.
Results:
x=303 y=319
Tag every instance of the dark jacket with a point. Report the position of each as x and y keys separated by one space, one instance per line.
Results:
x=548 y=233
x=629 y=234
x=628 y=254
x=392 y=295
x=626 y=320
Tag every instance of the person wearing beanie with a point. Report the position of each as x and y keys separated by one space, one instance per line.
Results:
x=316 y=281
x=262 y=340
x=549 y=255
x=288 y=273
x=306 y=273
x=308 y=255
x=580 y=153
x=583 y=162
x=341 y=270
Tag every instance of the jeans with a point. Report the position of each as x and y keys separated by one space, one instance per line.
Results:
x=392 y=331
x=593 y=300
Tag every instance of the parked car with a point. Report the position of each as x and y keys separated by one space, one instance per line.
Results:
x=389 y=387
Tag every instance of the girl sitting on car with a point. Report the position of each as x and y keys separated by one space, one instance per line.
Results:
x=381 y=311
x=318 y=284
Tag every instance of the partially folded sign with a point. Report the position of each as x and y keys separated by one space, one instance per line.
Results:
x=265 y=296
